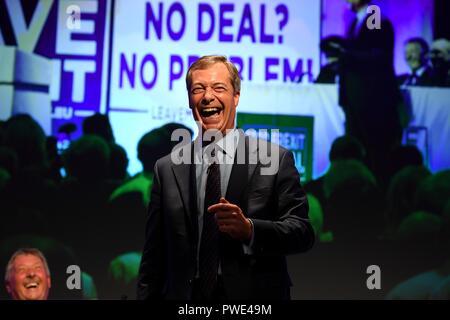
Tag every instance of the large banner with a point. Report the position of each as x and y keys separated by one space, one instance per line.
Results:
x=74 y=36
x=154 y=42
x=129 y=58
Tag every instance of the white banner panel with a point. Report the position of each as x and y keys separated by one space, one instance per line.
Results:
x=273 y=43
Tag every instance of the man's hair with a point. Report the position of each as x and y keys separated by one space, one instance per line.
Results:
x=421 y=42
x=25 y=251
x=206 y=61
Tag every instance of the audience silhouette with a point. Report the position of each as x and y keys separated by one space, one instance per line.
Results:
x=94 y=216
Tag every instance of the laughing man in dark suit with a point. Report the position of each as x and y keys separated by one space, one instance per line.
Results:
x=219 y=226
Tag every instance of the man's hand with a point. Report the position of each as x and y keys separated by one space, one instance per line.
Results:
x=337 y=48
x=231 y=220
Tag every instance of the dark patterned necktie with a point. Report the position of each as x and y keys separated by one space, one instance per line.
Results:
x=209 y=246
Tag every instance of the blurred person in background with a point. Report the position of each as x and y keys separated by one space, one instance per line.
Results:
x=440 y=61
x=416 y=56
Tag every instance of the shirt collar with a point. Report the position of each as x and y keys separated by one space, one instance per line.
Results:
x=228 y=145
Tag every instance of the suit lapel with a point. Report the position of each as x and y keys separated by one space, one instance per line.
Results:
x=236 y=186
x=185 y=179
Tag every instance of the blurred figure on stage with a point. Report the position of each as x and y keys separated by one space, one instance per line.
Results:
x=27 y=275
x=416 y=56
x=368 y=93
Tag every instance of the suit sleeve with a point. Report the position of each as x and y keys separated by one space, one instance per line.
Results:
x=290 y=230
x=149 y=285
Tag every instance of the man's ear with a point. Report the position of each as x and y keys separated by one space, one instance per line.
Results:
x=8 y=288
x=236 y=98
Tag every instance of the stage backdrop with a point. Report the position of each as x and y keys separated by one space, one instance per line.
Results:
x=153 y=44
x=129 y=58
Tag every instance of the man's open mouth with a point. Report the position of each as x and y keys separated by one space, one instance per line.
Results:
x=31 y=285
x=208 y=112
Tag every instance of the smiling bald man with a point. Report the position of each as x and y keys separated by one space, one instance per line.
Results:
x=27 y=275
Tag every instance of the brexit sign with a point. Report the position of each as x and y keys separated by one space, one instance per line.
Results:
x=73 y=36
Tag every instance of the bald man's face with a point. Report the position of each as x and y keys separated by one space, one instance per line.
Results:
x=29 y=279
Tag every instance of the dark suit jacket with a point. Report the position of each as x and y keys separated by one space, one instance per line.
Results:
x=276 y=204
x=369 y=93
